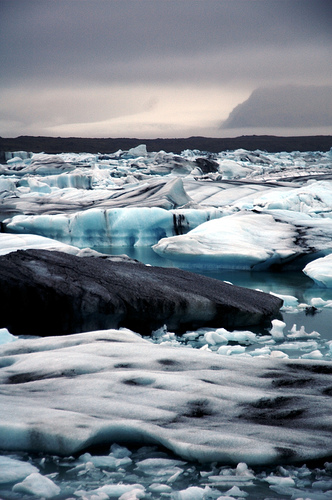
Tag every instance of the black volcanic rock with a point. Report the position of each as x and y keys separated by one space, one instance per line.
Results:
x=51 y=293
x=207 y=165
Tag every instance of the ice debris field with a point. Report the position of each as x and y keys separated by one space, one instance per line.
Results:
x=210 y=413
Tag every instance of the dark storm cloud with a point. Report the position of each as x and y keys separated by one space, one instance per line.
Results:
x=156 y=39
x=284 y=106
x=95 y=66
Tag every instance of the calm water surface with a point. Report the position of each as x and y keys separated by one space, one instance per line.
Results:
x=294 y=283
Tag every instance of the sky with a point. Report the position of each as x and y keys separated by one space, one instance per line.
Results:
x=165 y=68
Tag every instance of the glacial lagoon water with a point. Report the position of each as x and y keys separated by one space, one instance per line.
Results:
x=292 y=283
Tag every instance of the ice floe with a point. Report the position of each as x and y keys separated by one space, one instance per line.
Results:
x=200 y=405
x=320 y=270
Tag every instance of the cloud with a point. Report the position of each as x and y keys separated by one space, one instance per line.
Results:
x=81 y=63
x=284 y=106
x=131 y=110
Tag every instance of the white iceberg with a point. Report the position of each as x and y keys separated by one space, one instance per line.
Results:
x=244 y=240
x=201 y=405
x=320 y=270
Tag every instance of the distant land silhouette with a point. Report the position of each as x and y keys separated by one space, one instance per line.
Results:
x=284 y=106
x=268 y=143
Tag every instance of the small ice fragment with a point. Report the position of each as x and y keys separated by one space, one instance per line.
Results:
x=230 y=350
x=6 y=337
x=213 y=338
x=290 y=302
x=279 y=354
x=191 y=493
x=280 y=481
x=134 y=494
x=243 y=470
x=37 y=485
x=12 y=470
x=120 y=451
x=313 y=355
x=160 y=488
x=301 y=333
x=277 y=330
x=236 y=492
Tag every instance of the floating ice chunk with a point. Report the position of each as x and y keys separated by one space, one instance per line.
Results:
x=37 y=485
x=159 y=466
x=243 y=470
x=140 y=226
x=301 y=333
x=231 y=350
x=231 y=169
x=312 y=198
x=243 y=337
x=110 y=490
x=138 y=151
x=320 y=270
x=191 y=493
x=323 y=485
x=38 y=186
x=236 y=492
x=316 y=354
x=263 y=351
x=279 y=354
x=280 y=480
x=6 y=185
x=186 y=394
x=13 y=242
x=243 y=240
x=105 y=461
x=319 y=303
x=22 y=155
x=290 y=302
x=160 y=488
x=6 y=337
x=277 y=330
x=120 y=451
x=214 y=338
x=12 y=470
x=134 y=494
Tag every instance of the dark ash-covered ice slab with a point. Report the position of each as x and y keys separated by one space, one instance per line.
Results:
x=61 y=395
x=51 y=293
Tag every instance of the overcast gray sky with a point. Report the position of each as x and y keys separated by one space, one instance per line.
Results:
x=161 y=68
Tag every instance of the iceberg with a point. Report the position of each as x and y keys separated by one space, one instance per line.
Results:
x=249 y=240
x=98 y=227
x=202 y=406
x=13 y=242
x=51 y=292
x=37 y=485
x=240 y=241
x=320 y=270
x=12 y=470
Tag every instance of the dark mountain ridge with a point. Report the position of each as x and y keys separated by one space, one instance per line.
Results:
x=269 y=143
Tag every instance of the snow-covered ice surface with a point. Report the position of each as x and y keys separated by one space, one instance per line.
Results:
x=62 y=395
x=252 y=218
